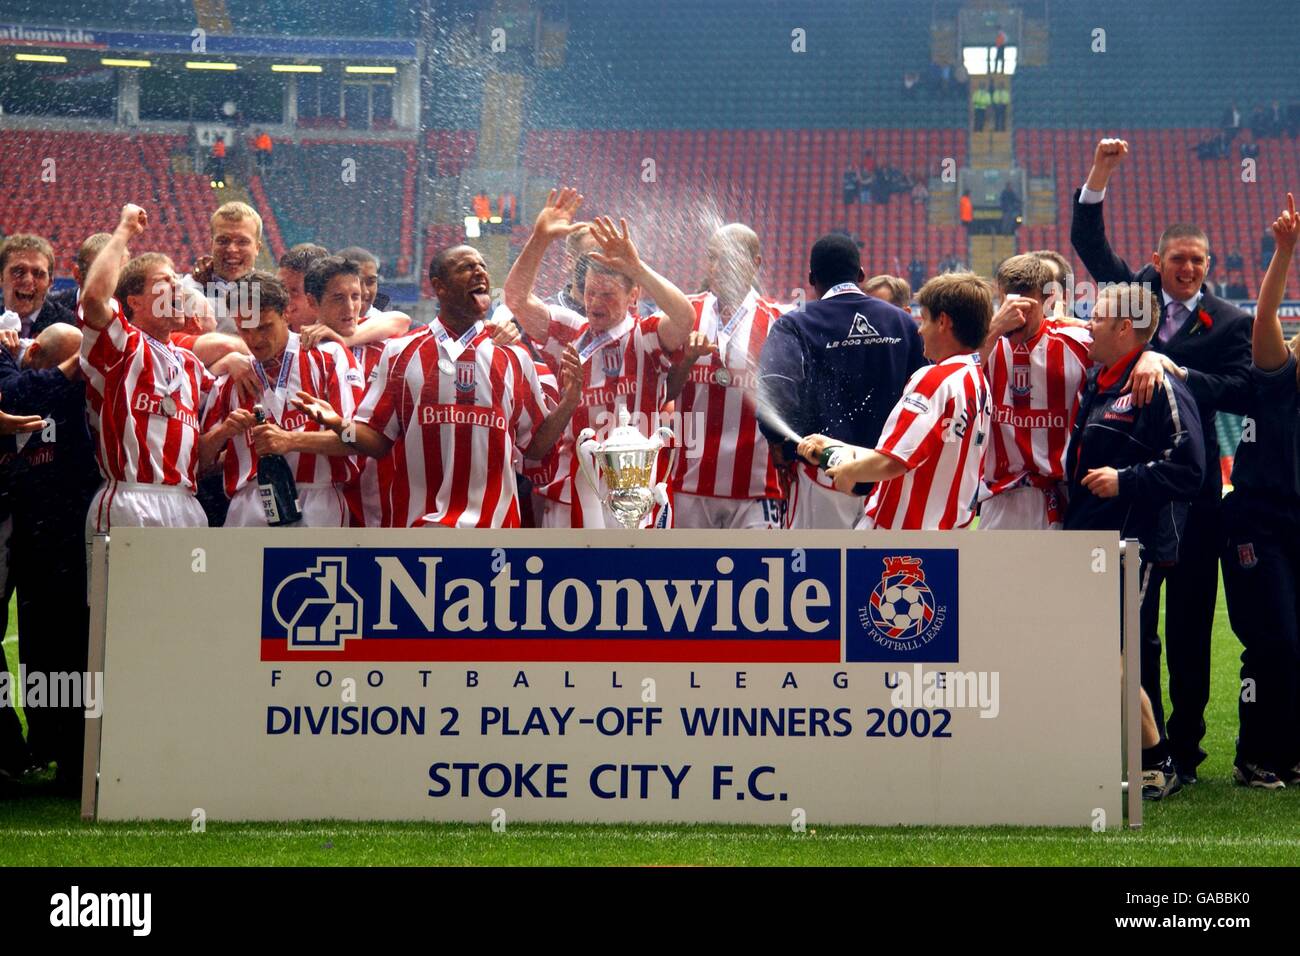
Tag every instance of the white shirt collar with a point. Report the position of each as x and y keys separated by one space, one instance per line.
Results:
x=843 y=288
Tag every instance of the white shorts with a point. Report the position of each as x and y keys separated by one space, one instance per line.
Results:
x=813 y=506
x=706 y=511
x=1017 y=509
x=128 y=504
x=322 y=507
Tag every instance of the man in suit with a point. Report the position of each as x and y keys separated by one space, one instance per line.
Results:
x=70 y=298
x=1206 y=343
x=26 y=270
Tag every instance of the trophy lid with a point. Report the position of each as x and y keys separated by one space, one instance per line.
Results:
x=627 y=438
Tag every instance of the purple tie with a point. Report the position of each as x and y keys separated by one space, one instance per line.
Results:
x=1176 y=315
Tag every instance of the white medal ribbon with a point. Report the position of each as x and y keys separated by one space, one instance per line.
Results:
x=272 y=393
x=173 y=368
x=747 y=308
x=454 y=349
x=604 y=338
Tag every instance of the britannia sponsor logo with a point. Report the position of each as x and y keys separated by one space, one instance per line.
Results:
x=476 y=415
x=152 y=405
x=516 y=604
x=1029 y=417
x=607 y=395
x=906 y=605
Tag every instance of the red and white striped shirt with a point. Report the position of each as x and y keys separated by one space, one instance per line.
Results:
x=731 y=459
x=1035 y=390
x=374 y=478
x=938 y=430
x=456 y=409
x=624 y=365
x=328 y=371
x=145 y=400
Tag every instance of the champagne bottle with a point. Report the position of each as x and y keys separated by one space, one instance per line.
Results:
x=831 y=456
x=275 y=485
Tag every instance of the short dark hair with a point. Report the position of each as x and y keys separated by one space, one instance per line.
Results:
x=1025 y=274
x=263 y=288
x=834 y=258
x=322 y=273
x=358 y=255
x=302 y=256
x=25 y=242
x=967 y=301
x=1183 y=230
x=438 y=264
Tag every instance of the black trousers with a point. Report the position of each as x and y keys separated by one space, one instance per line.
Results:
x=1261 y=581
x=1191 y=588
x=14 y=755
x=49 y=570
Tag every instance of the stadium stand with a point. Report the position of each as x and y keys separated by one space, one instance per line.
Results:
x=1233 y=213
x=313 y=201
x=91 y=191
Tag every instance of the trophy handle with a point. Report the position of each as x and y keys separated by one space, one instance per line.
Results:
x=587 y=446
x=667 y=440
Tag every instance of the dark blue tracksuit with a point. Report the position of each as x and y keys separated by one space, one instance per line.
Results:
x=837 y=367
x=1261 y=571
x=51 y=483
x=1158 y=451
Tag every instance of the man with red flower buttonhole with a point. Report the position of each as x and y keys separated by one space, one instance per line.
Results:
x=1205 y=342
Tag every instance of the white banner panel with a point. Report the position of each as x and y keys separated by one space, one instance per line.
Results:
x=878 y=678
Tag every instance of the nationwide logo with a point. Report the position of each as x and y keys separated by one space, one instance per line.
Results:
x=317 y=608
x=619 y=604
x=909 y=612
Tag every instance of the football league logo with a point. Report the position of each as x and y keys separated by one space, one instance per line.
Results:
x=902 y=605
x=907 y=605
x=317 y=607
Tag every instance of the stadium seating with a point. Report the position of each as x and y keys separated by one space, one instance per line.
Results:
x=156 y=16
x=309 y=190
x=1223 y=54
x=1163 y=182
x=340 y=18
x=95 y=173
x=786 y=183
x=657 y=65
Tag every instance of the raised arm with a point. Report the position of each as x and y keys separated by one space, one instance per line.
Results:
x=1088 y=228
x=618 y=252
x=1268 y=347
x=391 y=326
x=553 y=222
x=552 y=427
x=101 y=280
x=697 y=347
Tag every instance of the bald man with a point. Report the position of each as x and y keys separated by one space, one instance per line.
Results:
x=52 y=476
x=724 y=476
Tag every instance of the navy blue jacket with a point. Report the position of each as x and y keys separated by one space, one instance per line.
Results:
x=837 y=367
x=48 y=481
x=1158 y=451
x=1216 y=356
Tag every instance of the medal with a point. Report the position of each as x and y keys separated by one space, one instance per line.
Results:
x=446 y=366
x=168 y=405
x=722 y=377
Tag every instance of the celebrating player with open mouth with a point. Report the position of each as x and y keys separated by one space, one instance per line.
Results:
x=453 y=406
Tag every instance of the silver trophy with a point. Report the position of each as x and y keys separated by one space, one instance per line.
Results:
x=626 y=463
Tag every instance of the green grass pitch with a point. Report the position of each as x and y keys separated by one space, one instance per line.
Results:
x=1211 y=824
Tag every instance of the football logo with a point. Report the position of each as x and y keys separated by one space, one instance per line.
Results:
x=902 y=612
x=466 y=376
x=611 y=360
x=317 y=607
x=1020 y=386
